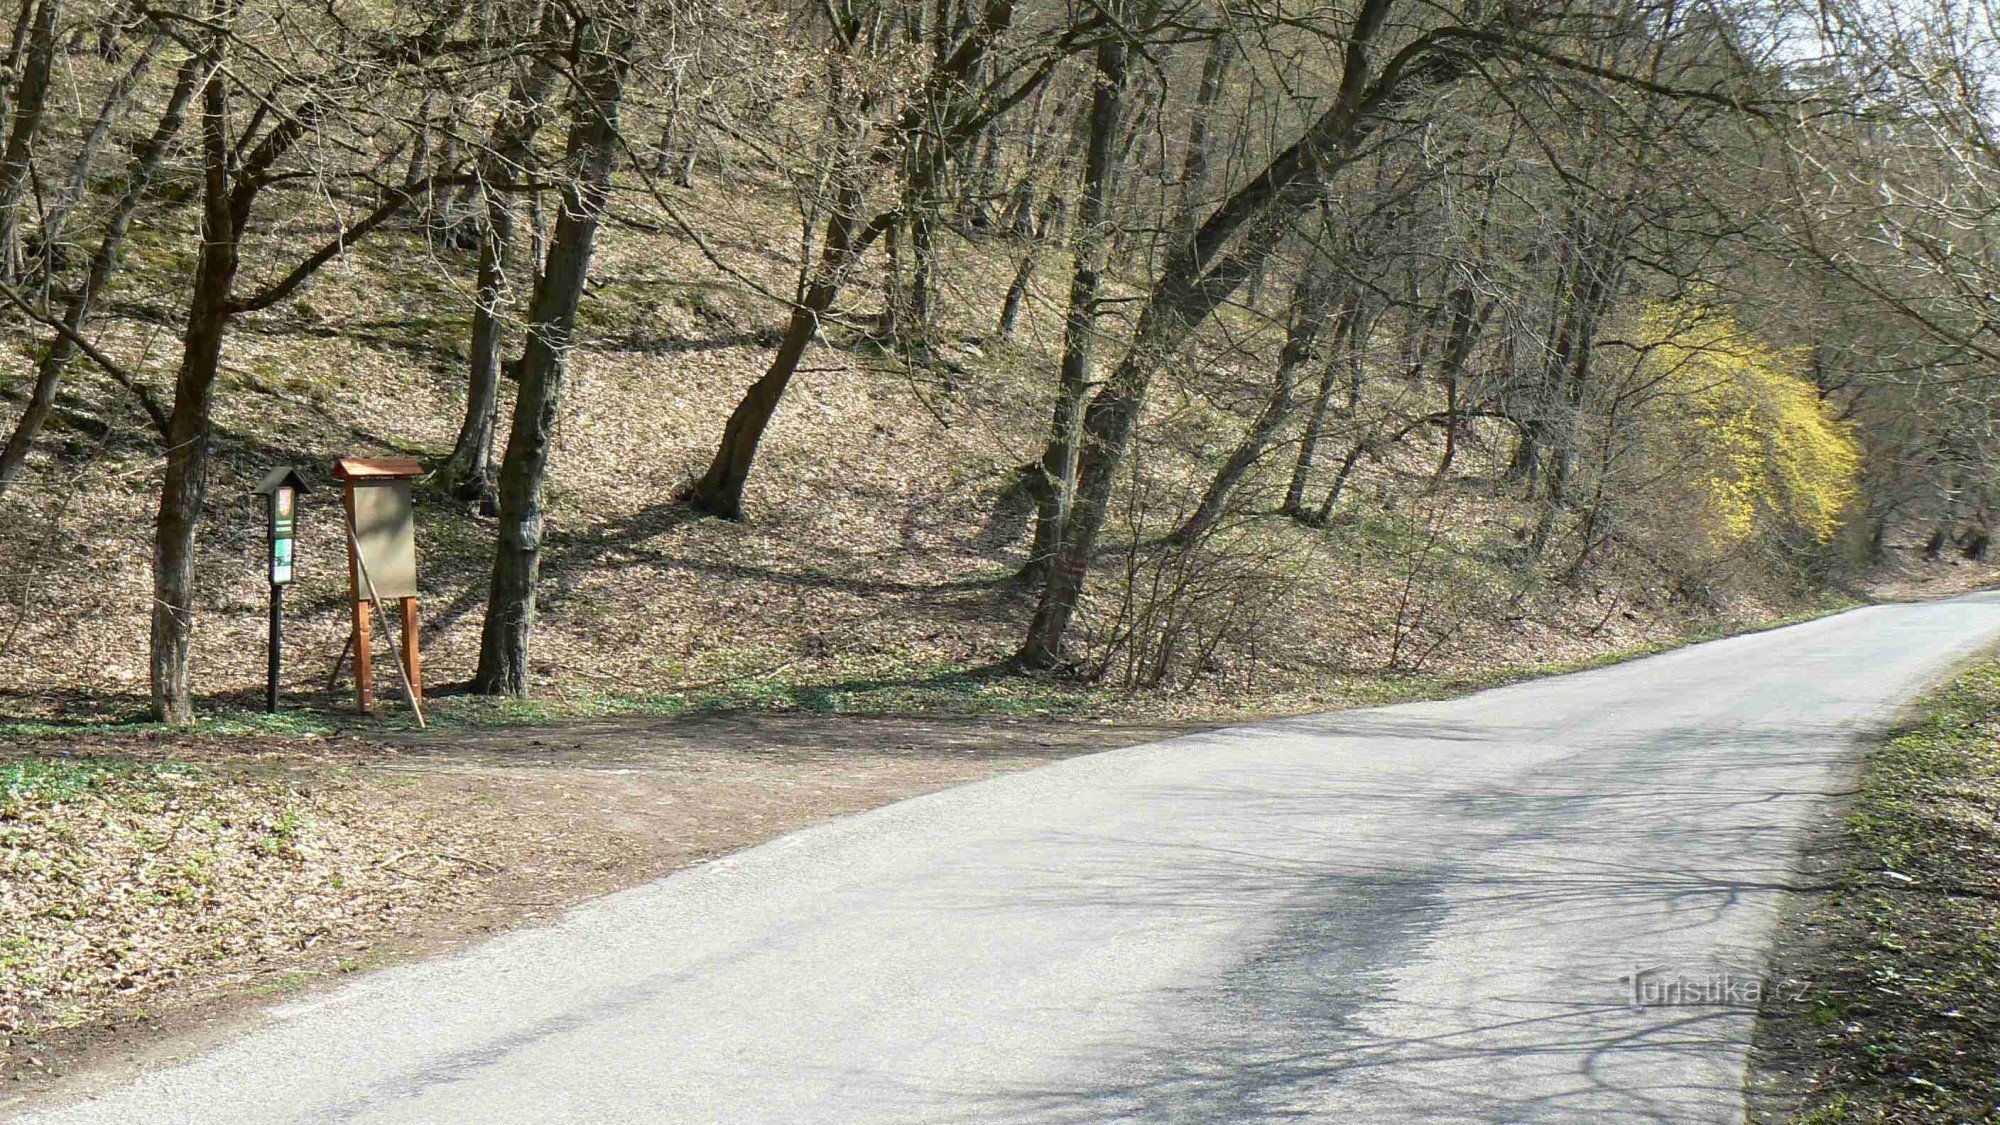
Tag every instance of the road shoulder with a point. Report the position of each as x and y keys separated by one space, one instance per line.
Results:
x=1894 y=951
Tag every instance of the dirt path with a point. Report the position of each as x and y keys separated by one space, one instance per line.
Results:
x=484 y=830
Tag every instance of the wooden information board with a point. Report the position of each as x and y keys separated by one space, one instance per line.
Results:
x=382 y=564
x=385 y=534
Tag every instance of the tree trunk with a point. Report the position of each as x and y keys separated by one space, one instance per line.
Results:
x=1524 y=465
x=895 y=295
x=16 y=44
x=679 y=169
x=1019 y=218
x=1017 y=295
x=1194 y=169
x=470 y=467
x=1600 y=273
x=419 y=167
x=1019 y=221
x=189 y=426
x=943 y=110
x=108 y=28
x=720 y=490
x=980 y=190
x=1461 y=335
x=1347 y=327
x=923 y=271
x=1309 y=305
x=1024 y=275
x=592 y=153
x=1107 y=426
x=1325 y=514
x=1973 y=543
x=31 y=96
x=1091 y=238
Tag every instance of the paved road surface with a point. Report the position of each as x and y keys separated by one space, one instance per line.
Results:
x=1412 y=914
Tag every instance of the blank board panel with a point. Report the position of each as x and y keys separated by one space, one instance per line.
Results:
x=384 y=528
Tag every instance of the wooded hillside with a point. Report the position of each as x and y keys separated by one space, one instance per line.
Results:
x=981 y=348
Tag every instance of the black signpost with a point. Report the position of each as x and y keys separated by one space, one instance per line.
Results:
x=282 y=488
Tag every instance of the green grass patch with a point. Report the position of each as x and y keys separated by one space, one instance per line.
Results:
x=1902 y=1019
x=880 y=684
x=46 y=781
x=288 y=724
x=888 y=689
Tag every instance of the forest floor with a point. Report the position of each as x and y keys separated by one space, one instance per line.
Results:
x=1895 y=1013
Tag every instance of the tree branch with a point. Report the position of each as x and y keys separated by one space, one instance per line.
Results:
x=111 y=366
x=1503 y=42
x=300 y=274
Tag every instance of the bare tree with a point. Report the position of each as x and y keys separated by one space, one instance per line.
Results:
x=62 y=350
x=943 y=115
x=28 y=105
x=503 y=166
x=1090 y=241
x=240 y=161
x=1230 y=245
x=601 y=59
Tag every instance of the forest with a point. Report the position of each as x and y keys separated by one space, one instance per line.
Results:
x=1182 y=348
x=1012 y=454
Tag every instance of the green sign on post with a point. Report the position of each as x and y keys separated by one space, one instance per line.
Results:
x=281 y=488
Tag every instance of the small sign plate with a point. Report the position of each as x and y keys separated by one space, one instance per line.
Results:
x=284 y=528
x=284 y=513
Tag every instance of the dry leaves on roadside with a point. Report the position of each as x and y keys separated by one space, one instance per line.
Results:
x=117 y=880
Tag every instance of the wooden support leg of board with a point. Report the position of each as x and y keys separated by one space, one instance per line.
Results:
x=364 y=663
x=413 y=663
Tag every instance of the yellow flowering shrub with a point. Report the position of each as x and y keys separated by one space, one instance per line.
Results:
x=1763 y=450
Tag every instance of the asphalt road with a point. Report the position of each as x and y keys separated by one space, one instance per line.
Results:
x=1420 y=913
